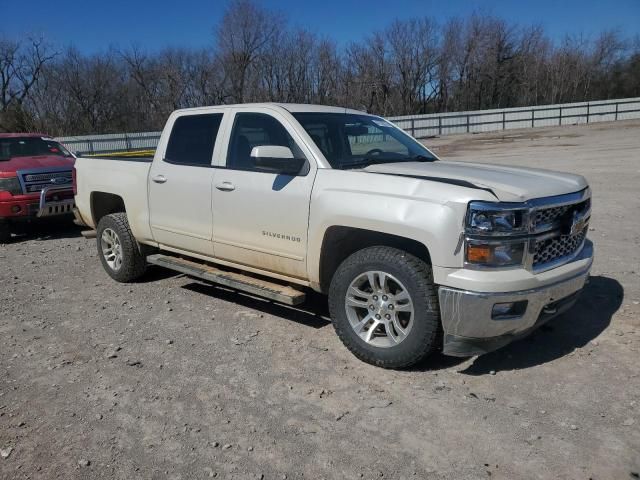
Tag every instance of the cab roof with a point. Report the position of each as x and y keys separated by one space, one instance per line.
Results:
x=302 y=107
x=290 y=107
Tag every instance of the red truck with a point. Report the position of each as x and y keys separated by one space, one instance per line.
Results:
x=35 y=179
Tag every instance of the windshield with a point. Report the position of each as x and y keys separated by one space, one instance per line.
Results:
x=355 y=141
x=30 y=147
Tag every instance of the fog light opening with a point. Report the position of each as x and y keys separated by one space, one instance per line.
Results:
x=508 y=310
x=16 y=209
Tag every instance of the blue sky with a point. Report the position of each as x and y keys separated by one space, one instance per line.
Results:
x=93 y=26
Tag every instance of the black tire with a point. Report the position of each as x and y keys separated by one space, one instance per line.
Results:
x=417 y=277
x=133 y=263
x=5 y=234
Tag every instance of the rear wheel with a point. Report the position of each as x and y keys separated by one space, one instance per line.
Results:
x=384 y=307
x=118 y=249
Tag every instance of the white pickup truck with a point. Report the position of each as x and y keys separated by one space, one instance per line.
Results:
x=414 y=253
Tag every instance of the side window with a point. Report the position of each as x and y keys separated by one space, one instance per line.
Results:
x=252 y=130
x=319 y=133
x=192 y=139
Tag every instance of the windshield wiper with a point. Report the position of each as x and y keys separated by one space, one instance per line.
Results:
x=365 y=162
x=422 y=158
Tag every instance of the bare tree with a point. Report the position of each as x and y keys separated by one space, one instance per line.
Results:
x=244 y=32
x=206 y=82
x=370 y=74
x=94 y=90
x=411 y=66
x=414 y=49
x=142 y=69
x=21 y=64
x=327 y=74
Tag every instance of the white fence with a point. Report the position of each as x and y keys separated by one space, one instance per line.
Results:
x=421 y=126
x=115 y=142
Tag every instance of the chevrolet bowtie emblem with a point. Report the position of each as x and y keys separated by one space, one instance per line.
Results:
x=578 y=222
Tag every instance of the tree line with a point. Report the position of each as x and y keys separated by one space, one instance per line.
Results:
x=411 y=66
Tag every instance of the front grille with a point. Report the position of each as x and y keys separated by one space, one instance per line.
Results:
x=33 y=182
x=547 y=251
x=550 y=216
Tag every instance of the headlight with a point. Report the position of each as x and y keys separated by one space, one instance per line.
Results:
x=484 y=218
x=495 y=234
x=11 y=185
x=495 y=253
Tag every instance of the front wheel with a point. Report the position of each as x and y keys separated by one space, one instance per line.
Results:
x=384 y=307
x=118 y=249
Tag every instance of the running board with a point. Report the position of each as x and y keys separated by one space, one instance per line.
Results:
x=255 y=286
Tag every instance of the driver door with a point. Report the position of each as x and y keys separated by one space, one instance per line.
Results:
x=261 y=217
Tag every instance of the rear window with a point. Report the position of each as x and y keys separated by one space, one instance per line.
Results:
x=192 y=139
x=30 y=147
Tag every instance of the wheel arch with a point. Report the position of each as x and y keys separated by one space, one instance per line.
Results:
x=340 y=242
x=103 y=203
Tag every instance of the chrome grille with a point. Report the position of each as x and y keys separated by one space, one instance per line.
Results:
x=552 y=249
x=35 y=181
x=550 y=216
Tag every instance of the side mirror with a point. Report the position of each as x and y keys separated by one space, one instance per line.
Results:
x=276 y=159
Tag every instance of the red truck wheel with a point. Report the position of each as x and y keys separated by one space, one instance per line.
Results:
x=5 y=234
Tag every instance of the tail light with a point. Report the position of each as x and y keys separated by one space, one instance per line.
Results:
x=74 y=180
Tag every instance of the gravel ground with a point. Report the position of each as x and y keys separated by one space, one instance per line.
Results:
x=171 y=378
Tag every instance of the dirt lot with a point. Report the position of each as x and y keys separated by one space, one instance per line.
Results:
x=170 y=378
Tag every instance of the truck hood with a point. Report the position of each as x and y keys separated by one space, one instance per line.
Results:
x=27 y=163
x=508 y=184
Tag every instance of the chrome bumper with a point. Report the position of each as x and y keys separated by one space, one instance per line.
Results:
x=50 y=208
x=467 y=316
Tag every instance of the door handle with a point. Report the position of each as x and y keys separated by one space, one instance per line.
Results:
x=159 y=179
x=226 y=186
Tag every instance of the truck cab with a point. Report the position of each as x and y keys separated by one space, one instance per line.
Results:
x=35 y=179
x=275 y=199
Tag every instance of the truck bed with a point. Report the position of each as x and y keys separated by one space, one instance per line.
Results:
x=124 y=177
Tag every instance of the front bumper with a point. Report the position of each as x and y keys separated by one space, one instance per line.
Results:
x=48 y=208
x=469 y=328
x=50 y=201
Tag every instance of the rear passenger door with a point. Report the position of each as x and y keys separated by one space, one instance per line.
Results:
x=180 y=183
